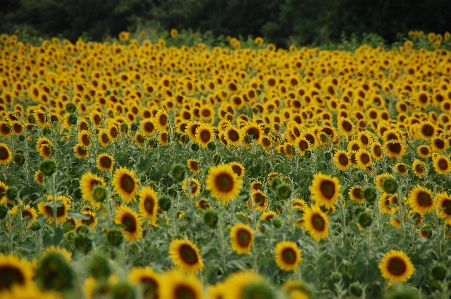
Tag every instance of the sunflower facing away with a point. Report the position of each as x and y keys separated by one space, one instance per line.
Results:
x=223 y=183
x=185 y=255
x=325 y=190
x=287 y=255
x=396 y=266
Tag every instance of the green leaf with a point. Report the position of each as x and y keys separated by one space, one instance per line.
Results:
x=76 y=215
x=58 y=236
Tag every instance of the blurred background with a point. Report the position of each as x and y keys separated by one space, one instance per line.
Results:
x=283 y=22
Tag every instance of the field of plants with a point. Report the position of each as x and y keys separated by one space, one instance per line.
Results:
x=149 y=169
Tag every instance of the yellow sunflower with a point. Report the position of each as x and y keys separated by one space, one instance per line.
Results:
x=394 y=149
x=87 y=183
x=363 y=158
x=316 y=223
x=356 y=193
x=421 y=200
x=185 y=255
x=238 y=168
x=148 y=203
x=259 y=199
x=401 y=168
x=131 y=223
x=191 y=187
x=148 y=279
x=241 y=238
x=443 y=207
x=342 y=160
x=233 y=136
x=105 y=162
x=204 y=135
x=287 y=255
x=193 y=165
x=61 y=211
x=5 y=154
x=441 y=164
x=148 y=126
x=419 y=168
x=14 y=272
x=223 y=182
x=39 y=177
x=125 y=184
x=177 y=285
x=396 y=266
x=29 y=214
x=325 y=190
x=424 y=151
x=81 y=151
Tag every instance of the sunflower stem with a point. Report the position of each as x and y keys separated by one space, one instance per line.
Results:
x=343 y=229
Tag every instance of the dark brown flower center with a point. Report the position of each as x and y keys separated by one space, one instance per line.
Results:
x=188 y=254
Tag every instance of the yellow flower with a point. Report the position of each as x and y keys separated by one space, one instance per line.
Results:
x=185 y=255
x=316 y=223
x=396 y=266
x=223 y=183
x=131 y=223
x=125 y=184
x=325 y=190
x=287 y=255
x=421 y=200
x=241 y=238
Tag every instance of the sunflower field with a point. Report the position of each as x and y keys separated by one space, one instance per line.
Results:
x=134 y=168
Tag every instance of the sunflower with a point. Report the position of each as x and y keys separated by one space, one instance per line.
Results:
x=241 y=238
x=443 y=207
x=325 y=190
x=177 y=285
x=193 y=165
x=424 y=151
x=46 y=150
x=345 y=126
x=419 y=168
x=193 y=189
x=426 y=130
x=253 y=131
x=363 y=158
x=204 y=135
x=14 y=272
x=394 y=149
x=401 y=168
x=149 y=280
x=341 y=160
x=63 y=203
x=246 y=284
x=385 y=200
x=238 y=168
x=302 y=145
x=105 y=162
x=39 y=177
x=233 y=136
x=148 y=126
x=356 y=193
x=87 y=183
x=163 y=138
x=131 y=223
x=441 y=164
x=29 y=214
x=259 y=199
x=257 y=185
x=268 y=215
x=203 y=204
x=161 y=119
x=378 y=181
x=421 y=200
x=104 y=137
x=223 y=182
x=125 y=184
x=396 y=266
x=92 y=221
x=185 y=255
x=81 y=151
x=138 y=137
x=84 y=138
x=148 y=203
x=316 y=223
x=287 y=255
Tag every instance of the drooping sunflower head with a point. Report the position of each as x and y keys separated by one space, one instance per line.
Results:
x=396 y=266
x=185 y=255
x=287 y=255
x=223 y=182
x=125 y=184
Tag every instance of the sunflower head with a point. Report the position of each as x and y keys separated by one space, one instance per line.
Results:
x=178 y=172
x=47 y=167
x=55 y=273
x=389 y=185
x=396 y=266
x=185 y=255
x=114 y=236
x=223 y=182
x=287 y=255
